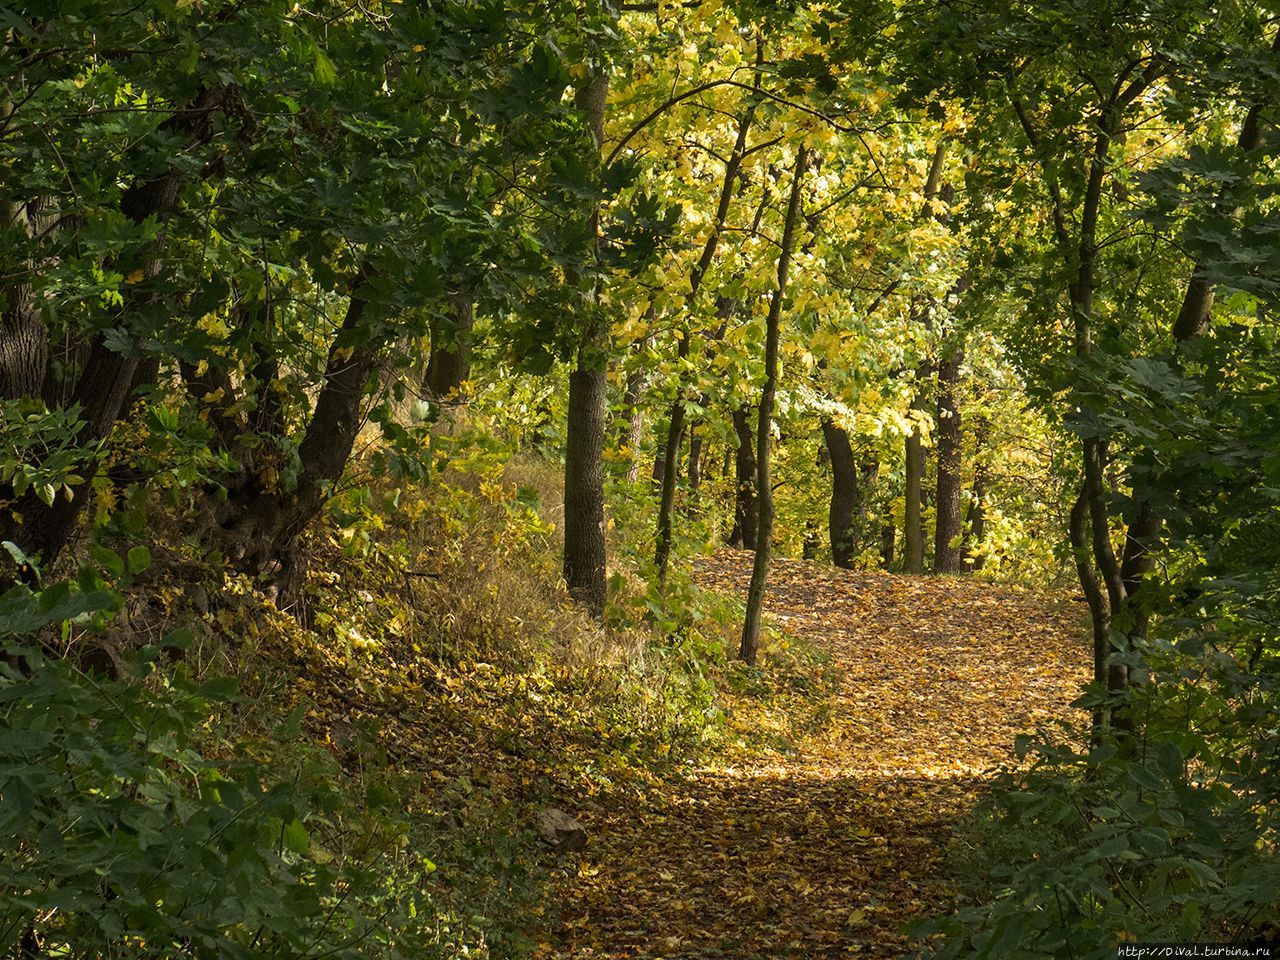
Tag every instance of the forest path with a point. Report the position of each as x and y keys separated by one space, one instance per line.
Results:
x=825 y=845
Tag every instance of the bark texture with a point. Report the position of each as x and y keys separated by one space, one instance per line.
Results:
x=746 y=516
x=845 y=494
x=449 y=363
x=584 y=545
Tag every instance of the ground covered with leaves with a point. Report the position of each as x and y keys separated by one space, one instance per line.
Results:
x=821 y=830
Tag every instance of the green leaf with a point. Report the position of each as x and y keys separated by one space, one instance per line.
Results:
x=326 y=73
x=139 y=559
x=295 y=837
x=109 y=559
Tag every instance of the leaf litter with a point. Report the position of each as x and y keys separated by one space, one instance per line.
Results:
x=825 y=837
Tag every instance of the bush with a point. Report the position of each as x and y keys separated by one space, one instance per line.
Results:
x=1171 y=837
x=122 y=839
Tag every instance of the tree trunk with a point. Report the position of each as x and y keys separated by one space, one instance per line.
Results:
x=695 y=463
x=659 y=459
x=845 y=495
x=449 y=365
x=746 y=516
x=24 y=339
x=584 y=543
x=262 y=533
x=888 y=536
x=24 y=346
x=976 y=520
x=633 y=418
x=104 y=385
x=670 y=466
x=750 y=647
x=675 y=430
x=948 y=527
x=812 y=541
x=913 y=522
x=1193 y=317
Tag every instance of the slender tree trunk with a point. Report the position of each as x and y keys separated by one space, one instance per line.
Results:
x=746 y=516
x=888 y=536
x=913 y=520
x=695 y=463
x=676 y=420
x=976 y=520
x=1193 y=318
x=913 y=532
x=948 y=527
x=725 y=307
x=670 y=466
x=449 y=364
x=750 y=647
x=584 y=542
x=634 y=423
x=633 y=416
x=845 y=495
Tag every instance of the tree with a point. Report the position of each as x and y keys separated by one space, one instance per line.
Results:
x=746 y=516
x=948 y=525
x=913 y=526
x=750 y=646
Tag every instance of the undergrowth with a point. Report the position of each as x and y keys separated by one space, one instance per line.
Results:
x=359 y=776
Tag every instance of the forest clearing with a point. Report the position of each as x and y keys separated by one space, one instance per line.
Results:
x=646 y=479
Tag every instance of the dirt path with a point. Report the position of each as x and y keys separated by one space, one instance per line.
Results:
x=827 y=845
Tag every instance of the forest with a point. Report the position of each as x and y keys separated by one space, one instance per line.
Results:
x=639 y=479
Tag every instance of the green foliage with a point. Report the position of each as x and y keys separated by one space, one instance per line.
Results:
x=125 y=840
x=1156 y=841
x=41 y=450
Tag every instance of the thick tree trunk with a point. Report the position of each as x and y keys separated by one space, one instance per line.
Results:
x=584 y=541
x=24 y=346
x=948 y=526
x=24 y=339
x=845 y=495
x=746 y=516
x=659 y=460
x=449 y=364
x=273 y=519
x=750 y=646
x=104 y=385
